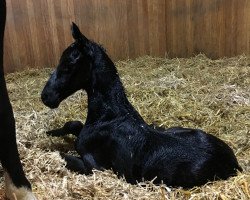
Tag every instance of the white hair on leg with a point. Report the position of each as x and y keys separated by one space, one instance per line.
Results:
x=15 y=193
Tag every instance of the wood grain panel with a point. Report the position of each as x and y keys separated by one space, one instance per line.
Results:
x=38 y=31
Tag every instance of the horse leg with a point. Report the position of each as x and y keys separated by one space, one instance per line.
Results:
x=17 y=185
x=71 y=127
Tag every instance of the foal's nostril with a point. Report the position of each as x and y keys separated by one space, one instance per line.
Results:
x=44 y=97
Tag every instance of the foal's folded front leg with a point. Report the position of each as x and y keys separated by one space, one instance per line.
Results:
x=71 y=127
x=83 y=165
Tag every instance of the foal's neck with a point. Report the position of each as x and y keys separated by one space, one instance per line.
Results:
x=106 y=97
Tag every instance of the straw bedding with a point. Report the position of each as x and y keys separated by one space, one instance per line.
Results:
x=213 y=95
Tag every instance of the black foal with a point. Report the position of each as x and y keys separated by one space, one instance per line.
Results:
x=116 y=137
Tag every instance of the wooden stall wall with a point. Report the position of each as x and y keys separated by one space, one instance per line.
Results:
x=38 y=31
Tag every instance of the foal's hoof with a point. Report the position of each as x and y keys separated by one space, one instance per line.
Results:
x=54 y=133
x=50 y=133
x=63 y=155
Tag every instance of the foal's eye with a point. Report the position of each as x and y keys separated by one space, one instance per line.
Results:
x=72 y=62
x=74 y=57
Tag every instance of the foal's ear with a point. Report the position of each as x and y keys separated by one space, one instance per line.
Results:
x=76 y=33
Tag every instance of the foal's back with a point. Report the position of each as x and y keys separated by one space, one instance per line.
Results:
x=186 y=157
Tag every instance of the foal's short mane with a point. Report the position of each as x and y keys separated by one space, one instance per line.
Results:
x=101 y=46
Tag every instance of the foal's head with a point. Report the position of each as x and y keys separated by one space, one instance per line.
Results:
x=74 y=70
